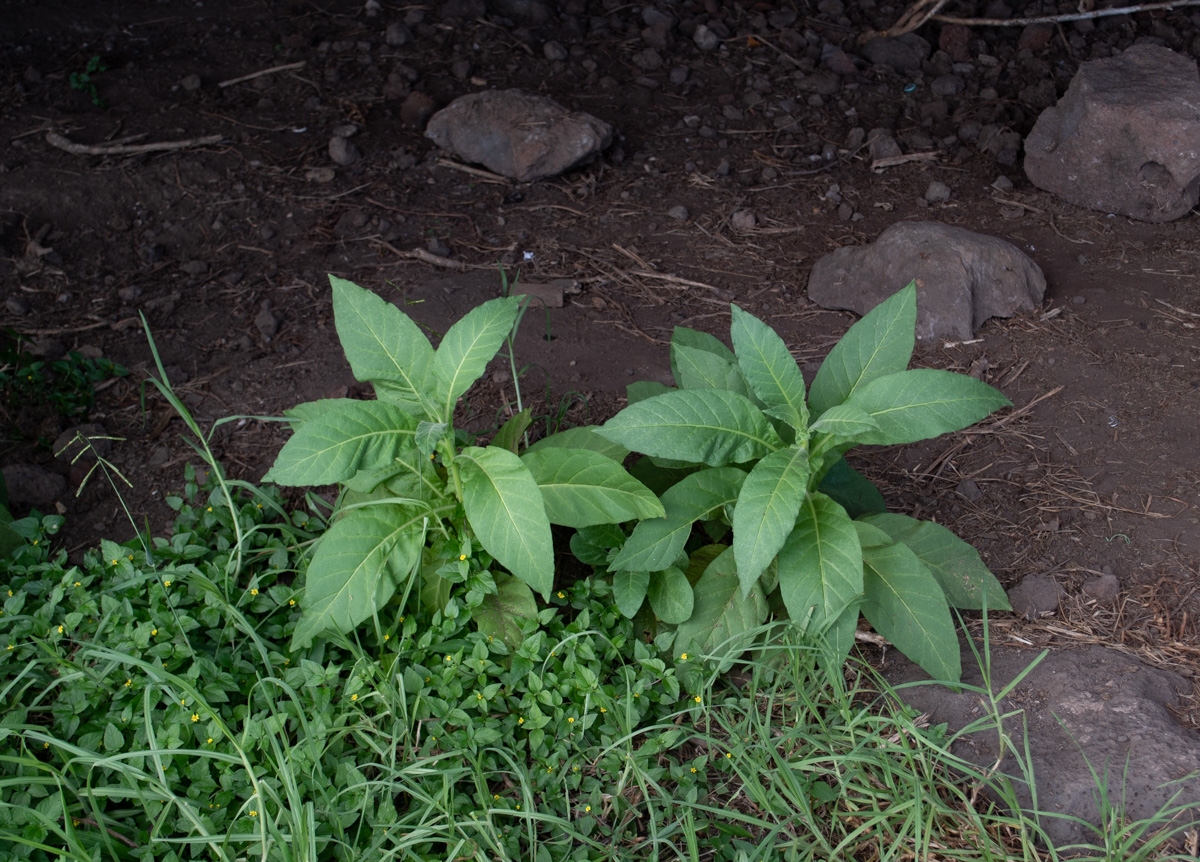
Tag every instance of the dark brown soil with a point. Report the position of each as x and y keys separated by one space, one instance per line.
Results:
x=1094 y=471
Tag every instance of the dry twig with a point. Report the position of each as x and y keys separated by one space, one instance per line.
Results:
x=65 y=143
x=284 y=68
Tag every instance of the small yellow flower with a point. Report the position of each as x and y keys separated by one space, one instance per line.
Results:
x=131 y=558
x=354 y=697
x=693 y=770
x=387 y=638
x=478 y=695
x=11 y=646
x=45 y=745
x=79 y=583
x=114 y=562
x=495 y=796
x=253 y=813
x=60 y=629
x=291 y=602
x=549 y=769
x=166 y=583
x=195 y=717
x=602 y=709
x=587 y=809
x=683 y=657
x=153 y=631
x=461 y=557
x=561 y=594
x=128 y=683
x=254 y=592
x=696 y=698
x=571 y=720
x=210 y=509
x=449 y=658
x=637 y=694
x=728 y=756
x=182 y=702
x=10 y=591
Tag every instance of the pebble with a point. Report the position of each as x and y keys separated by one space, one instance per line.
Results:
x=398 y=34
x=342 y=151
x=129 y=293
x=844 y=211
x=1002 y=184
x=1078 y=300
x=350 y=222
x=937 y=193
x=266 y=321
x=1103 y=588
x=969 y=489
x=705 y=39
x=194 y=267
x=436 y=246
x=555 y=51
x=679 y=74
x=416 y=109
x=191 y=83
x=947 y=85
x=743 y=220
x=679 y=212
x=648 y=60
x=17 y=305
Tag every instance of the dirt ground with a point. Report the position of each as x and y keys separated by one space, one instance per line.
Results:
x=225 y=248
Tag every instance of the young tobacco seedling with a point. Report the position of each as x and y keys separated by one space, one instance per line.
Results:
x=414 y=500
x=740 y=435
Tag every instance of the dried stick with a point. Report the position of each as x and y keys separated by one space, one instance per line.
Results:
x=284 y=68
x=926 y=10
x=64 y=143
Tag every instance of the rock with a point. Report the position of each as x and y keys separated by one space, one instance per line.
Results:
x=342 y=151
x=705 y=39
x=1083 y=710
x=266 y=321
x=679 y=212
x=1125 y=138
x=1035 y=37
x=194 y=267
x=937 y=193
x=1103 y=588
x=70 y=446
x=17 y=305
x=320 y=175
x=45 y=347
x=840 y=63
x=743 y=220
x=397 y=34
x=1035 y=596
x=554 y=51
x=881 y=145
x=648 y=60
x=517 y=134
x=350 y=222
x=416 y=109
x=963 y=278
x=191 y=83
x=467 y=10
x=436 y=247
x=948 y=85
x=903 y=54
x=955 y=40
x=30 y=485
x=970 y=490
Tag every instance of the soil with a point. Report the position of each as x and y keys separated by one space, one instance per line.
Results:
x=225 y=247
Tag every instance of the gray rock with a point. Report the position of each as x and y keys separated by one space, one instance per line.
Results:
x=679 y=74
x=398 y=34
x=517 y=134
x=648 y=60
x=679 y=213
x=1103 y=588
x=416 y=109
x=743 y=220
x=191 y=83
x=963 y=278
x=1035 y=596
x=903 y=54
x=31 y=485
x=17 y=305
x=555 y=51
x=947 y=85
x=937 y=193
x=1125 y=138
x=705 y=39
x=970 y=490
x=1088 y=706
x=266 y=321
x=882 y=145
x=350 y=222
x=194 y=267
x=342 y=151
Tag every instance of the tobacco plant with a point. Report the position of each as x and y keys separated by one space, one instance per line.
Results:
x=416 y=503
x=740 y=444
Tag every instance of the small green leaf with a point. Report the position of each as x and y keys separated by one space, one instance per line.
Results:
x=502 y=613
x=591 y=545
x=766 y=511
x=956 y=565
x=870 y=536
x=509 y=435
x=905 y=604
x=697 y=340
x=583 y=437
x=925 y=403
x=629 y=590
x=881 y=343
x=700 y=369
x=345 y=436
x=854 y=492
x=382 y=343
x=769 y=368
x=657 y=542
x=643 y=389
x=820 y=566
x=845 y=422
x=671 y=596
x=582 y=488
x=428 y=434
x=469 y=346
x=114 y=740
x=839 y=640
x=721 y=617
x=504 y=507
x=711 y=426
x=351 y=576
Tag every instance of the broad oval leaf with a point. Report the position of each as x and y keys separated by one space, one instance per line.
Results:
x=770 y=369
x=671 y=596
x=905 y=604
x=845 y=422
x=356 y=568
x=870 y=536
x=766 y=511
x=582 y=488
x=381 y=342
x=712 y=426
x=593 y=545
x=629 y=589
x=502 y=613
x=344 y=437
x=583 y=437
x=504 y=507
x=820 y=566
x=694 y=338
x=468 y=347
x=881 y=343
x=721 y=617
x=700 y=369
x=509 y=435
x=917 y=405
x=964 y=578
x=640 y=390
x=853 y=491
x=657 y=542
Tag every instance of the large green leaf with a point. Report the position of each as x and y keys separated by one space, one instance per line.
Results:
x=509 y=435
x=769 y=368
x=853 y=491
x=700 y=369
x=721 y=616
x=469 y=346
x=905 y=604
x=820 y=566
x=582 y=488
x=504 y=507
x=381 y=342
x=356 y=567
x=712 y=426
x=839 y=640
x=629 y=589
x=640 y=390
x=345 y=436
x=924 y=403
x=502 y=613
x=671 y=596
x=697 y=340
x=957 y=566
x=657 y=542
x=881 y=343
x=766 y=511
x=845 y=423
x=583 y=437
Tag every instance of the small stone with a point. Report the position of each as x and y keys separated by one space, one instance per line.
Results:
x=937 y=193
x=648 y=60
x=129 y=293
x=969 y=489
x=1035 y=596
x=743 y=220
x=342 y=151
x=844 y=211
x=350 y=222
x=1103 y=588
x=840 y=63
x=398 y=34
x=161 y=455
x=319 y=175
x=416 y=109
x=705 y=39
x=947 y=85
x=191 y=83
x=266 y=321
x=436 y=246
x=679 y=212
x=1078 y=300
x=31 y=485
x=194 y=267
x=679 y=74
x=1002 y=184
x=555 y=51
x=346 y=130
x=882 y=145
x=17 y=305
